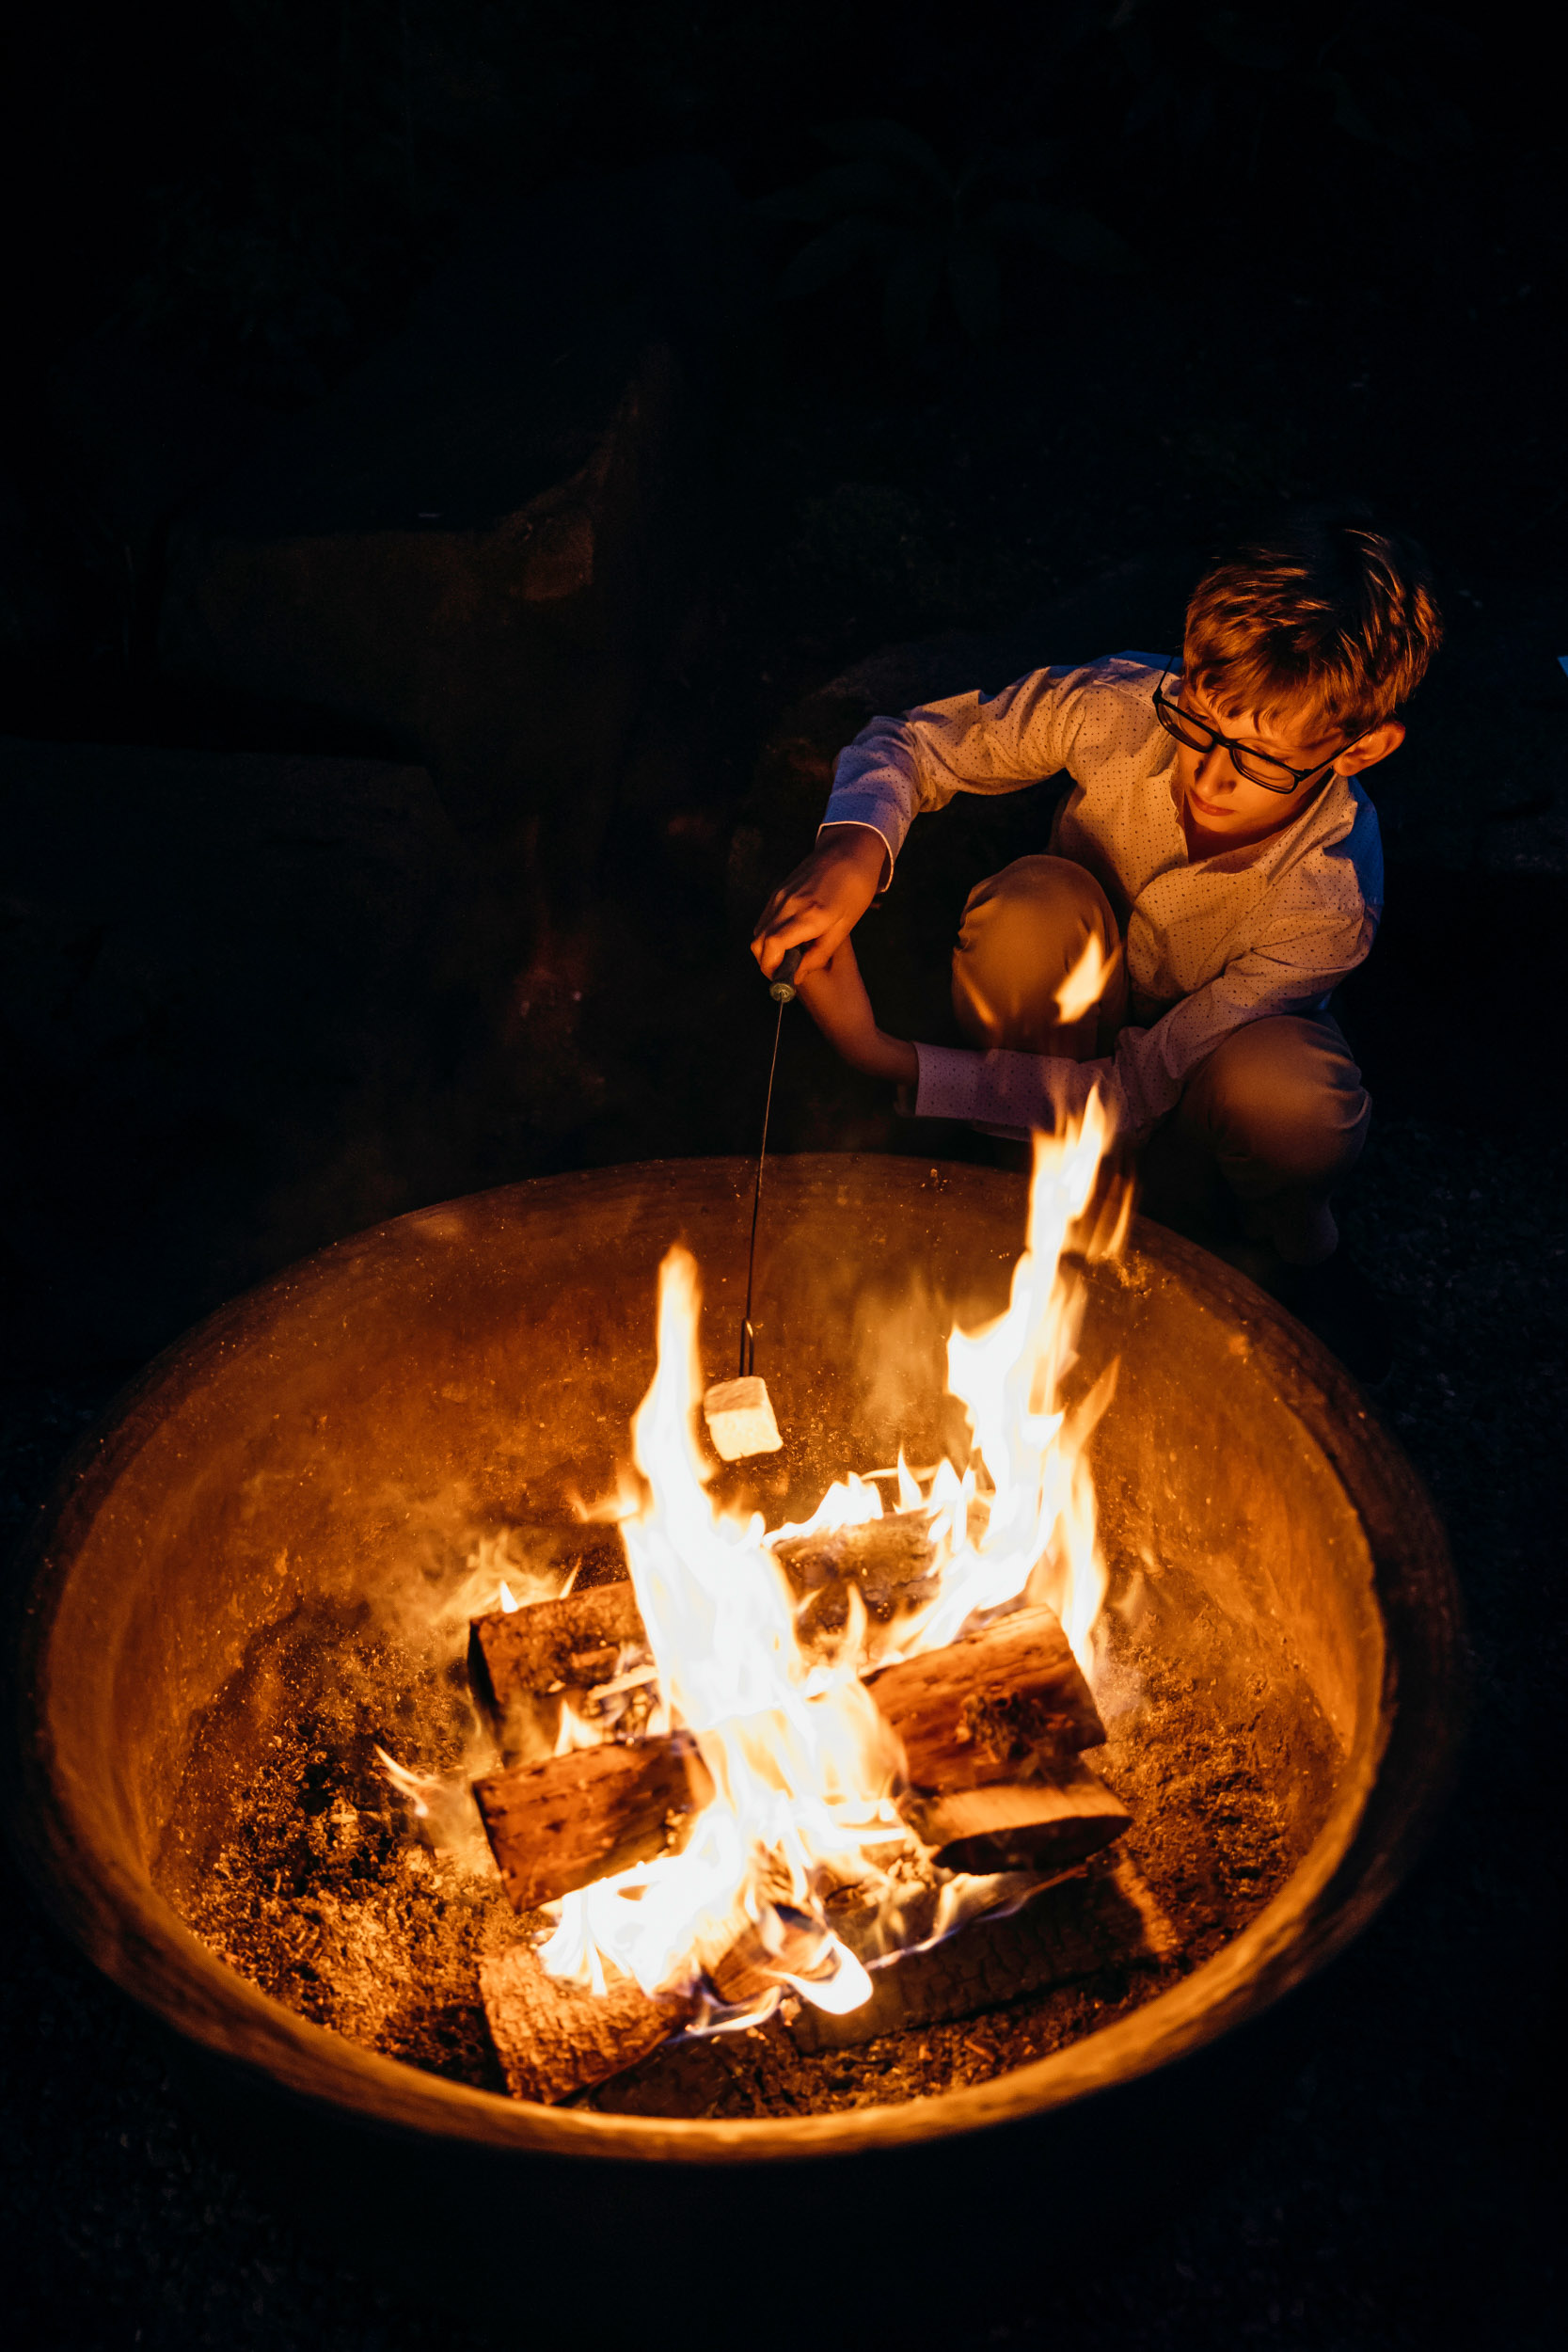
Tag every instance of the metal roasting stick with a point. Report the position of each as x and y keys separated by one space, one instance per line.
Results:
x=781 y=989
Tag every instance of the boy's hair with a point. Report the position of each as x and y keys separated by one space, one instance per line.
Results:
x=1329 y=610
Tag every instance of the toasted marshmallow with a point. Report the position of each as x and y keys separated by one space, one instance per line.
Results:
x=740 y=1419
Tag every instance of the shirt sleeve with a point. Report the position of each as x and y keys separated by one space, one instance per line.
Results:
x=1282 y=976
x=1016 y=1091
x=898 y=769
x=1144 y=1078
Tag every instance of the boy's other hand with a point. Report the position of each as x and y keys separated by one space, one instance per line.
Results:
x=835 y=995
x=822 y=901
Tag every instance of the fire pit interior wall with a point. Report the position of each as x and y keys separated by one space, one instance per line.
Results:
x=330 y=1449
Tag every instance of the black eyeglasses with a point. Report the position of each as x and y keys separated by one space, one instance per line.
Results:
x=1275 y=775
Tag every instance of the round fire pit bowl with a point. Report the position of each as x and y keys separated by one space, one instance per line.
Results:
x=357 y=1422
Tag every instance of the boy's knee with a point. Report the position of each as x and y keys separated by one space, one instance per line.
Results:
x=1023 y=930
x=1283 y=1100
x=1049 y=889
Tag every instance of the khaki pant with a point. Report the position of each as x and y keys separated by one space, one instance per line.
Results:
x=1267 y=1126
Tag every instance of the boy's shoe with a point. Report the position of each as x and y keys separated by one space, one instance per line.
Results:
x=1337 y=1301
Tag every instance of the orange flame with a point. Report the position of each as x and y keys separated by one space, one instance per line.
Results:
x=1039 y=1532
x=803 y=1766
x=1080 y=991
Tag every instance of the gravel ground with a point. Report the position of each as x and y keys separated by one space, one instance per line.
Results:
x=1406 y=2190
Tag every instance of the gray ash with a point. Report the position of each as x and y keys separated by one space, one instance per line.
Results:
x=296 y=1861
x=316 y=1883
x=325 y=1895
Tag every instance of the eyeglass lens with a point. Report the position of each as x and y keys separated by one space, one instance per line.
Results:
x=1257 y=767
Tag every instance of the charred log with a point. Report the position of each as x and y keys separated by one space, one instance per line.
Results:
x=794 y=1945
x=1036 y=1825
x=554 y=2036
x=684 y=2078
x=1006 y=1703
x=573 y=1643
x=1104 y=1917
x=561 y=1824
x=889 y=1559
x=991 y=1726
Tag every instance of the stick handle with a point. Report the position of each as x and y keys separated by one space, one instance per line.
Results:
x=782 y=986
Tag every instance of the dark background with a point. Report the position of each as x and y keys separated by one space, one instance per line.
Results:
x=378 y=828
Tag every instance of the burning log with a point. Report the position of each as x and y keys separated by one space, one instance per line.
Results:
x=754 y=1966
x=1105 y=1918
x=554 y=2036
x=884 y=1556
x=573 y=1642
x=991 y=1727
x=889 y=1561
x=561 y=1824
x=1006 y=1703
x=524 y=1663
x=1017 y=1825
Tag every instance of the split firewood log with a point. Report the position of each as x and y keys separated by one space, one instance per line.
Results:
x=1043 y=1824
x=561 y=1824
x=891 y=1553
x=1006 y=1703
x=1104 y=1916
x=889 y=1561
x=554 y=2036
x=551 y=1644
x=753 y=1965
x=1004 y=1709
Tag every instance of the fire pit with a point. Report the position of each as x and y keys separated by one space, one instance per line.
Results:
x=319 y=1462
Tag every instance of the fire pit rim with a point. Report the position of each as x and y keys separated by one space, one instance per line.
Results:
x=1379 y=1822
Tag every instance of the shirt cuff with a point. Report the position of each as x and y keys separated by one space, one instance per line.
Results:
x=1017 y=1090
x=878 y=812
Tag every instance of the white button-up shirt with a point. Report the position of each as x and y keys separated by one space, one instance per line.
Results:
x=1212 y=941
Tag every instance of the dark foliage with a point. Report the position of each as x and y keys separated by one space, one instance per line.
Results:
x=1268 y=82
x=894 y=206
x=263 y=181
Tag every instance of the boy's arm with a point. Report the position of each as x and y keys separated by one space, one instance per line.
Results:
x=835 y=997
x=897 y=768
x=824 y=898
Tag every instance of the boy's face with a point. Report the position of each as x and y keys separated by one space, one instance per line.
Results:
x=1223 y=803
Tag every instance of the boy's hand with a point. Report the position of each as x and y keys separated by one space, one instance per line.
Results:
x=822 y=901
x=835 y=997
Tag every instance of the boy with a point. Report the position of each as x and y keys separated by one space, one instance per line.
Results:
x=1213 y=873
